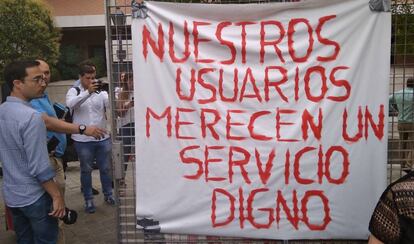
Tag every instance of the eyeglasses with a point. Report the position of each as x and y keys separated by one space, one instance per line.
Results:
x=39 y=79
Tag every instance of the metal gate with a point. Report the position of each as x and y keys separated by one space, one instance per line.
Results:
x=119 y=57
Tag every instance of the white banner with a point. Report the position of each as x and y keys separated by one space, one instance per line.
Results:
x=261 y=120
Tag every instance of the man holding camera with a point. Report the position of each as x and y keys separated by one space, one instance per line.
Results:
x=88 y=103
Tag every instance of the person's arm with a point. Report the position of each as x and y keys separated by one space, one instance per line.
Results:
x=123 y=103
x=57 y=125
x=74 y=100
x=34 y=140
x=106 y=99
x=58 y=210
x=385 y=224
x=374 y=240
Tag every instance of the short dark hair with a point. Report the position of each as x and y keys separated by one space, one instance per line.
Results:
x=17 y=71
x=86 y=69
x=410 y=82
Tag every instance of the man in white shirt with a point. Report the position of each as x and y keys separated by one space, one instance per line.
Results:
x=89 y=105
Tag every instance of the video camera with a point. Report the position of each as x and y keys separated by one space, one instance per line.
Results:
x=70 y=217
x=101 y=86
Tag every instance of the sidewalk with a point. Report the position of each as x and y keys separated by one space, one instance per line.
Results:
x=96 y=228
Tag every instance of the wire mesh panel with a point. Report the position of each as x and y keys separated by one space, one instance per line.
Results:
x=400 y=135
x=120 y=75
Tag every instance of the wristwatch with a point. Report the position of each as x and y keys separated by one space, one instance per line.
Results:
x=82 y=129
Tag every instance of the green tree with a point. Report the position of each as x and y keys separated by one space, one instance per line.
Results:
x=100 y=66
x=68 y=62
x=27 y=31
x=403 y=30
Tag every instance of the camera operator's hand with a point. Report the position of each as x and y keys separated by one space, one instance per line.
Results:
x=93 y=87
x=94 y=131
x=58 y=207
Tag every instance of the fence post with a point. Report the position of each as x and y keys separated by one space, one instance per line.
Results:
x=117 y=160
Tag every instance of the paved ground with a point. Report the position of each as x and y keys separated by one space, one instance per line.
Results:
x=96 y=228
x=101 y=227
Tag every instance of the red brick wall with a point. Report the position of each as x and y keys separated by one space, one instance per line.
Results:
x=76 y=7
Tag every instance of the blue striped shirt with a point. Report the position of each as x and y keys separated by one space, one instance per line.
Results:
x=23 y=153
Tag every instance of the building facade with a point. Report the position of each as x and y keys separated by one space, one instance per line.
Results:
x=82 y=24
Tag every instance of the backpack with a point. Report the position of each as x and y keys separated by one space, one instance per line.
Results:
x=69 y=115
x=70 y=154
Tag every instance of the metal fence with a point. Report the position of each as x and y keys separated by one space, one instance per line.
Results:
x=119 y=56
x=402 y=68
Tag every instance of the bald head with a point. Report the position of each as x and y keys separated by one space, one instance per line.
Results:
x=44 y=67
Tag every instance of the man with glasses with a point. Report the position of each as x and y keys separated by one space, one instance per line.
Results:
x=28 y=186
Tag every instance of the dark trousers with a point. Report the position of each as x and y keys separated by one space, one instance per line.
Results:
x=88 y=152
x=33 y=224
x=406 y=132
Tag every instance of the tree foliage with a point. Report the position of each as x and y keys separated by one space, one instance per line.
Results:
x=27 y=31
x=68 y=62
x=403 y=28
